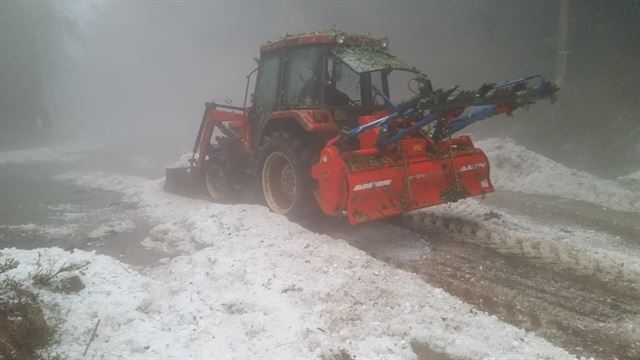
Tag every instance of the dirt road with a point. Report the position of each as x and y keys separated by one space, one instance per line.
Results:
x=588 y=317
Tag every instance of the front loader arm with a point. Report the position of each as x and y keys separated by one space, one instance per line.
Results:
x=218 y=116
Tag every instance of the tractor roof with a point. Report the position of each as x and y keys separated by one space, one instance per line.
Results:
x=298 y=39
x=320 y=38
x=363 y=59
x=360 y=52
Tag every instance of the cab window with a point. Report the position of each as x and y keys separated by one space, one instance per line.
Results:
x=348 y=82
x=267 y=85
x=303 y=77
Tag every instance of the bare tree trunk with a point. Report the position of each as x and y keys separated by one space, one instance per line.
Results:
x=561 y=59
x=43 y=101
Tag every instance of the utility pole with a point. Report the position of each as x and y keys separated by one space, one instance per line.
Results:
x=561 y=57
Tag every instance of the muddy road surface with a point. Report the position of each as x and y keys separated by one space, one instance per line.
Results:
x=588 y=317
x=38 y=211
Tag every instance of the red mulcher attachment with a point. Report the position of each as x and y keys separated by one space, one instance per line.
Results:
x=414 y=173
x=407 y=158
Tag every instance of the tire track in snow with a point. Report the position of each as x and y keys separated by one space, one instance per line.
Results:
x=590 y=317
x=552 y=209
x=589 y=253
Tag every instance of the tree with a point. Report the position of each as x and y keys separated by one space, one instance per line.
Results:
x=32 y=39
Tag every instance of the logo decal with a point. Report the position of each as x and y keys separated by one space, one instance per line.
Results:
x=472 y=167
x=371 y=185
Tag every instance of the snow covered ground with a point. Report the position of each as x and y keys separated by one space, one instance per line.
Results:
x=241 y=281
x=632 y=176
x=109 y=228
x=515 y=168
x=249 y=283
x=63 y=153
x=46 y=231
x=584 y=251
x=65 y=222
x=630 y=181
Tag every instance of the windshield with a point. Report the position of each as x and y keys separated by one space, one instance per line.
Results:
x=402 y=85
x=347 y=82
x=347 y=87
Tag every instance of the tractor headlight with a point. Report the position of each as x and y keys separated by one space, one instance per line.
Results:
x=384 y=42
x=340 y=39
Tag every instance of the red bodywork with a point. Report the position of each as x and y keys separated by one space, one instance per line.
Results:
x=369 y=184
x=309 y=120
x=318 y=38
x=302 y=39
x=236 y=120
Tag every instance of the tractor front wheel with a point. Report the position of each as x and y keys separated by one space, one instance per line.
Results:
x=286 y=175
x=217 y=177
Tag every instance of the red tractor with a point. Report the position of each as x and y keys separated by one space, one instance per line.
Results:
x=323 y=131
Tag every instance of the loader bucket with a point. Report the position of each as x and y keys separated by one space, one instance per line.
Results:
x=367 y=186
x=183 y=181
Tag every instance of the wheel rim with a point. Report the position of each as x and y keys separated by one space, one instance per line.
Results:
x=215 y=181
x=279 y=182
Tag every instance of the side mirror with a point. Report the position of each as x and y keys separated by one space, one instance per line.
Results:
x=428 y=86
x=424 y=85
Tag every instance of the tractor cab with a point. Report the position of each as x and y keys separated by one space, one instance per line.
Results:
x=328 y=78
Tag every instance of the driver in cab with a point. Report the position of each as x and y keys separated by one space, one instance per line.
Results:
x=333 y=96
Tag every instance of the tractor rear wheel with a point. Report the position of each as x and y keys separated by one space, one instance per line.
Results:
x=285 y=175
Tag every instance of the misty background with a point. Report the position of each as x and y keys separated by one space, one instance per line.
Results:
x=134 y=75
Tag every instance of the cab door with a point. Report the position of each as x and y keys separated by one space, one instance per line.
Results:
x=267 y=93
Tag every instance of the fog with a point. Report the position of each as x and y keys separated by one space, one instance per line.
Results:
x=135 y=75
x=528 y=248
